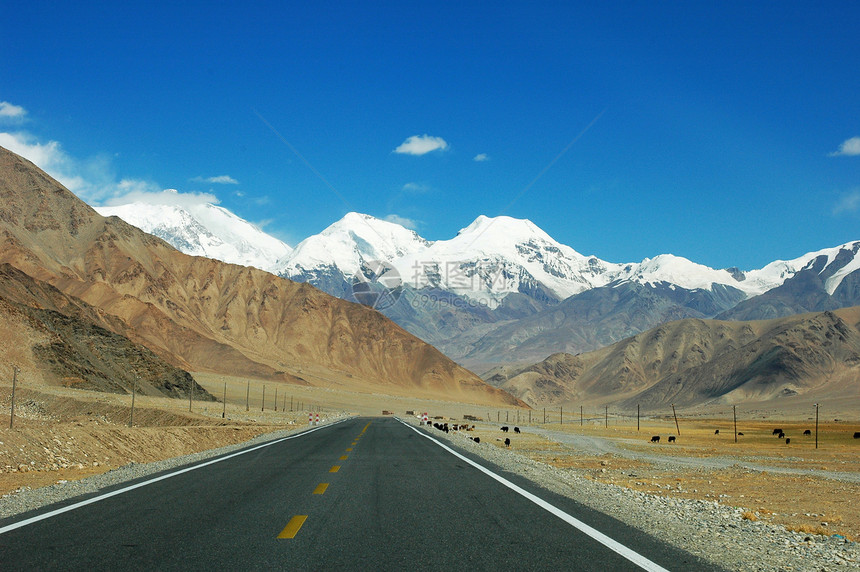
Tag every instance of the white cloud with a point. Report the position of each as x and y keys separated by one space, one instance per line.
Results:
x=421 y=145
x=849 y=147
x=402 y=221
x=848 y=203
x=93 y=180
x=219 y=180
x=138 y=192
x=415 y=188
x=9 y=110
x=481 y=157
x=49 y=157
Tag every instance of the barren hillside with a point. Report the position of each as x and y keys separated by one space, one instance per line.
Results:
x=204 y=315
x=693 y=361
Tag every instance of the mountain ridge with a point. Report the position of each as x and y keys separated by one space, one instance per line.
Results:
x=695 y=362
x=465 y=293
x=206 y=315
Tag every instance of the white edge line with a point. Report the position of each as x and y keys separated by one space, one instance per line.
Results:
x=96 y=499
x=613 y=545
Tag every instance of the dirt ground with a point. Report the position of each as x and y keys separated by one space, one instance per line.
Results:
x=63 y=434
x=787 y=484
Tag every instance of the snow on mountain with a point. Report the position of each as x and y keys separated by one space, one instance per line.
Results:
x=493 y=257
x=853 y=265
x=205 y=230
x=679 y=271
x=778 y=271
x=349 y=243
x=487 y=260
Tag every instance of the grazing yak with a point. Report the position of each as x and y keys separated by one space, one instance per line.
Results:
x=516 y=429
x=777 y=431
x=808 y=432
x=717 y=432
x=507 y=442
x=505 y=429
x=655 y=439
x=671 y=438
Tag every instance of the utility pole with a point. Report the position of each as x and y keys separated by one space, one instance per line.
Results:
x=190 y=393
x=606 y=417
x=248 y=396
x=581 y=418
x=816 y=425
x=276 y=398
x=224 y=409
x=676 y=420
x=133 y=391
x=14 y=383
x=263 y=407
x=637 y=417
x=735 y=417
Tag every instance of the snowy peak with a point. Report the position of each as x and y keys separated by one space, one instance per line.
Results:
x=350 y=242
x=679 y=271
x=493 y=257
x=205 y=229
x=833 y=264
x=501 y=235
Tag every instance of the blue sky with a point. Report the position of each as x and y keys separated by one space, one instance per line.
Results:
x=724 y=132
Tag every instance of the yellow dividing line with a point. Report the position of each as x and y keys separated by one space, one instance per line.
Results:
x=343 y=457
x=348 y=450
x=334 y=469
x=293 y=526
x=320 y=488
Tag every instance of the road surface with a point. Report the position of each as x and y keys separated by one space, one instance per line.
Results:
x=366 y=493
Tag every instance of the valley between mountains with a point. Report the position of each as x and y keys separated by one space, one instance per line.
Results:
x=554 y=327
x=97 y=311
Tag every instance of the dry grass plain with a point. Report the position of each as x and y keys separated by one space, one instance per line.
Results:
x=784 y=484
x=65 y=434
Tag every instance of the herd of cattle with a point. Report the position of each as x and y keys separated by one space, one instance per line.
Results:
x=456 y=427
x=445 y=427
x=654 y=439
x=780 y=434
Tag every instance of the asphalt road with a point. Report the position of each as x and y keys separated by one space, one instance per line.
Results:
x=367 y=493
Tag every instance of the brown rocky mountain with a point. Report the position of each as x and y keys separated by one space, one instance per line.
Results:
x=695 y=361
x=203 y=315
x=64 y=342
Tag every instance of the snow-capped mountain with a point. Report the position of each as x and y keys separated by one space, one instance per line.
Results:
x=329 y=260
x=205 y=230
x=494 y=257
x=352 y=241
x=503 y=288
x=824 y=280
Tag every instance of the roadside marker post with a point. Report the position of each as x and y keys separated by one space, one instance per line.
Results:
x=318 y=419
x=14 y=384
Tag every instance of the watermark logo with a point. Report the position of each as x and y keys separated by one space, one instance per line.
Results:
x=377 y=284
